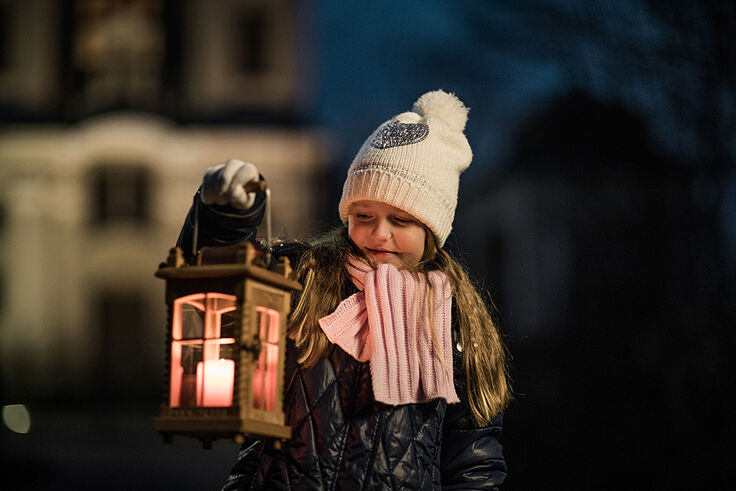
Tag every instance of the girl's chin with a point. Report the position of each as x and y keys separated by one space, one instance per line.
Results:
x=389 y=258
x=385 y=257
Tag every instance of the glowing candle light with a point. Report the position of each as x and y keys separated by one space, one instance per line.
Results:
x=215 y=379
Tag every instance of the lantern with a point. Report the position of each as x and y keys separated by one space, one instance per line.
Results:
x=225 y=343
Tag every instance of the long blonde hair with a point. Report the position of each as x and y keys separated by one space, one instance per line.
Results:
x=324 y=279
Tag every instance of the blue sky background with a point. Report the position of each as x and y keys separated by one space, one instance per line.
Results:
x=506 y=58
x=672 y=63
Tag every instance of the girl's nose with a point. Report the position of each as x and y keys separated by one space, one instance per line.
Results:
x=382 y=230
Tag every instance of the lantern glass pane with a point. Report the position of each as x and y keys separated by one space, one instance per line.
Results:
x=203 y=350
x=189 y=315
x=192 y=321
x=228 y=323
x=183 y=374
x=266 y=371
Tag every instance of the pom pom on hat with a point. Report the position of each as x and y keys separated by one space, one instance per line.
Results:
x=444 y=106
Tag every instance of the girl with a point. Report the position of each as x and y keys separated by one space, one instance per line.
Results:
x=396 y=375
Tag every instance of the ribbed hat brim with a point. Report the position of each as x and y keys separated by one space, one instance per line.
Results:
x=414 y=196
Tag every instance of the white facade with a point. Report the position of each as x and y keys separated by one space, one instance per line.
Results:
x=57 y=260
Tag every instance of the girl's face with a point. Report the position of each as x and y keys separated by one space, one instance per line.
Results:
x=386 y=234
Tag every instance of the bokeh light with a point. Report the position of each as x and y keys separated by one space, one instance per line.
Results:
x=17 y=418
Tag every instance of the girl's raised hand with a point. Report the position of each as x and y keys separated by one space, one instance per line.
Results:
x=223 y=184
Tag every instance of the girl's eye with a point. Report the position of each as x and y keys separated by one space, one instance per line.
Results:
x=403 y=220
x=362 y=216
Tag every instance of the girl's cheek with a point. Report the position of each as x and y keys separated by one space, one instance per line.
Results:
x=355 y=234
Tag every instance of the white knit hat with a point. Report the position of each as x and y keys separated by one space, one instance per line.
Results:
x=414 y=162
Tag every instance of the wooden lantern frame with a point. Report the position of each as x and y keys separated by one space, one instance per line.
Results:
x=239 y=271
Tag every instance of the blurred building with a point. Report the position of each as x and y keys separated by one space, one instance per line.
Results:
x=589 y=238
x=110 y=112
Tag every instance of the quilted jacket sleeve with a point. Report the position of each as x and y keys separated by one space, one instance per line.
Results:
x=219 y=225
x=246 y=466
x=472 y=457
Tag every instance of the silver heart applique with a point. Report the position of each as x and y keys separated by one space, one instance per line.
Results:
x=396 y=134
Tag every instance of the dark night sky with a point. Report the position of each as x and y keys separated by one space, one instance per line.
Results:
x=506 y=58
x=665 y=73
x=672 y=63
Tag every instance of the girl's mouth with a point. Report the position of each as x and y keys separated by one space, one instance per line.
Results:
x=377 y=252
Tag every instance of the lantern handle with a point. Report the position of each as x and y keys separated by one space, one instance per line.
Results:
x=261 y=186
x=251 y=187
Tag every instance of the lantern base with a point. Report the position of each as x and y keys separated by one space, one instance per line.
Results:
x=207 y=429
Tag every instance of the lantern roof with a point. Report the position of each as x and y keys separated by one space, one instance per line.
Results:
x=242 y=261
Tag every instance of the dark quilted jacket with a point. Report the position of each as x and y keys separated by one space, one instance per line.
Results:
x=343 y=439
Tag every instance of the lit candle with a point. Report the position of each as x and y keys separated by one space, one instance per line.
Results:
x=215 y=380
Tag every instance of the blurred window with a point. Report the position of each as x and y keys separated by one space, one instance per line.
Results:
x=117 y=51
x=120 y=194
x=5 y=46
x=3 y=217
x=252 y=32
x=2 y=288
x=123 y=369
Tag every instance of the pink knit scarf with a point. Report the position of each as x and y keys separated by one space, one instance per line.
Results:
x=388 y=324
